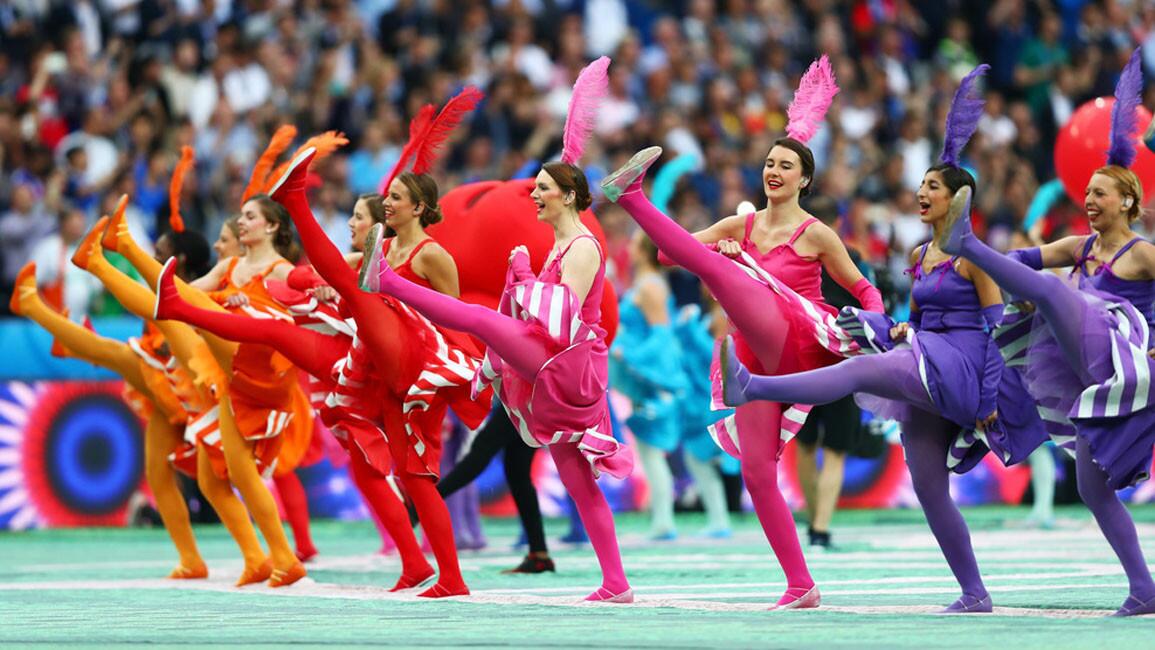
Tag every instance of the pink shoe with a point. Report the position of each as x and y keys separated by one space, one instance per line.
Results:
x=808 y=600
x=372 y=258
x=603 y=595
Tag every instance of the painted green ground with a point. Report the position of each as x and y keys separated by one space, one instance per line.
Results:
x=1051 y=589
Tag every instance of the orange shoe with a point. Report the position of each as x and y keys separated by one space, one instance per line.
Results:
x=253 y=575
x=283 y=578
x=199 y=572
x=25 y=283
x=84 y=251
x=111 y=239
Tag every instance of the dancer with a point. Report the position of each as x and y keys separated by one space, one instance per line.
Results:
x=547 y=351
x=1087 y=353
x=424 y=370
x=951 y=378
x=646 y=366
x=782 y=242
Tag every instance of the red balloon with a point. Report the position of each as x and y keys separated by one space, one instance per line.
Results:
x=1081 y=148
x=484 y=221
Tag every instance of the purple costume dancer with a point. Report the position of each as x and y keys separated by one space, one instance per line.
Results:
x=949 y=383
x=1087 y=350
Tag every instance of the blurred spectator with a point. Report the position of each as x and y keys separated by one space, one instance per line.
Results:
x=62 y=284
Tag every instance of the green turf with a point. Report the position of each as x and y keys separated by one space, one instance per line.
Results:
x=1052 y=588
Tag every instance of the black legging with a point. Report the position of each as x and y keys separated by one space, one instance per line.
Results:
x=497 y=434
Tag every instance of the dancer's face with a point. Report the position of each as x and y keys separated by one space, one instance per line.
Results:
x=399 y=206
x=782 y=177
x=227 y=244
x=253 y=226
x=933 y=197
x=1103 y=202
x=360 y=223
x=551 y=201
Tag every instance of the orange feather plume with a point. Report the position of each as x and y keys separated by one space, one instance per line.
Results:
x=325 y=143
x=281 y=140
x=174 y=188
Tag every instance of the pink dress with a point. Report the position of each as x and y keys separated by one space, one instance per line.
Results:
x=566 y=401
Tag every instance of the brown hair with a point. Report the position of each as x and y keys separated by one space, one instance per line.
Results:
x=1127 y=183
x=283 y=239
x=375 y=204
x=234 y=226
x=422 y=190
x=570 y=178
x=805 y=155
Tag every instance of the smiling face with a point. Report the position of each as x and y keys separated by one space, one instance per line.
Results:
x=399 y=206
x=1104 y=203
x=782 y=177
x=360 y=223
x=550 y=199
x=933 y=197
x=252 y=226
x=227 y=244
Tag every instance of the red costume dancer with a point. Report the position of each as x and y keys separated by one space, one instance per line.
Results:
x=782 y=242
x=547 y=352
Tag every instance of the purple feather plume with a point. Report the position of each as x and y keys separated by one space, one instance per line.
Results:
x=963 y=117
x=1124 y=117
x=592 y=85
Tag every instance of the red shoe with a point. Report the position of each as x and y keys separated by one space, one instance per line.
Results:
x=294 y=177
x=305 y=556
x=167 y=295
x=441 y=591
x=416 y=580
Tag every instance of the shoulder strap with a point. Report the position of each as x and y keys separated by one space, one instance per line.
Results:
x=1087 y=245
x=802 y=228
x=749 y=227
x=1126 y=247
x=573 y=241
x=413 y=253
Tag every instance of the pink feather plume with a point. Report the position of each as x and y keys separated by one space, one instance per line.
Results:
x=592 y=85
x=815 y=92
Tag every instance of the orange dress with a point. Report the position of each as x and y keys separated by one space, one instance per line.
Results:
x=268 y=404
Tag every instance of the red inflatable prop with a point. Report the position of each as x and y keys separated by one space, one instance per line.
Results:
x=484 y=221
x=1081 y=148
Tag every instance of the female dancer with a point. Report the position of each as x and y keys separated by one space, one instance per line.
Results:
x=1088 y=348
x=547 y=351
x=646 y=365
x=262 y=407
x=952 y=377
x=150 y=389
x=784 y=242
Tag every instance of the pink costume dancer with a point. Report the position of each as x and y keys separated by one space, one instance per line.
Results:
x=796 y=248
x=547 y=353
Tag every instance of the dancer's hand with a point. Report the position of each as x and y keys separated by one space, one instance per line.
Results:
x=237 y=300
x=520 y=248
x=730 y=248
x=986 y=422
x=900 y=332
x=324 y=293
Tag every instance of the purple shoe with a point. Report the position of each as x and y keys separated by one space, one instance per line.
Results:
x=968 y=604
x=735 y=376
x=958 y=223
x=1135 y=607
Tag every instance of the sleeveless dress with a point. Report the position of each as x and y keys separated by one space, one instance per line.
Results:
x=1113 y=413
x=796 y=283
x=566 y=402
x=961 y=370
x=268 y=404
x=646 y=366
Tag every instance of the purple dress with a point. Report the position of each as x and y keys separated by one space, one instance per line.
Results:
x=1108 y=402
x=961 y=369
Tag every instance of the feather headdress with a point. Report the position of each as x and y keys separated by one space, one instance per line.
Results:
x=175 y=186
x=427 y=133
x=963 y=117
x=281 y=140
x=815 y=92
x=1124 y=116
x=591 y=87
x=325 y=144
